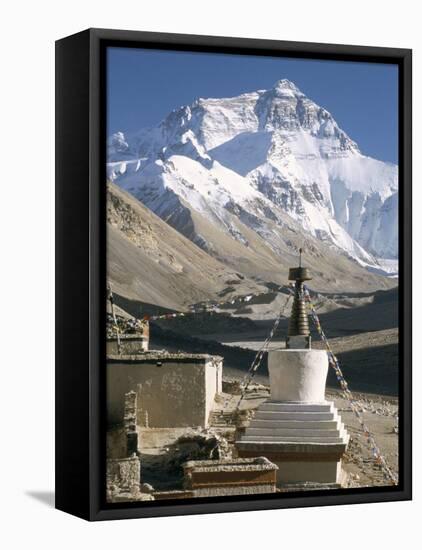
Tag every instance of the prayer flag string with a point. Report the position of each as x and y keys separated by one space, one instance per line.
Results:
x=354 y=405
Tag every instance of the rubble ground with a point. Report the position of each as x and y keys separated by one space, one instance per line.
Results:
x=380 y=414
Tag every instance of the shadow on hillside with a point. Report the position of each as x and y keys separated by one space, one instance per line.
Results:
x=370 y=370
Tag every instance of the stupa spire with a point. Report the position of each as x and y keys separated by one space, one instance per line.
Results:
x=298 y=334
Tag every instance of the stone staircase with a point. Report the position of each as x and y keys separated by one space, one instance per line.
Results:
x=297 y=423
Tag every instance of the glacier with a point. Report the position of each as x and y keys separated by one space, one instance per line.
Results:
x=265 y=157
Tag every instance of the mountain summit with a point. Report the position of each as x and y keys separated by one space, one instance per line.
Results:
x=265 y=164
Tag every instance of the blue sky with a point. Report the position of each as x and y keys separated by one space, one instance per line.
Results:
x=143 y=86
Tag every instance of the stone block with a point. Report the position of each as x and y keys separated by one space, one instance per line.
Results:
x=123 y=478
x=230 y=477
x=130 y=344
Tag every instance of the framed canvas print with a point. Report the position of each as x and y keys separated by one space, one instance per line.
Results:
x=233 y=274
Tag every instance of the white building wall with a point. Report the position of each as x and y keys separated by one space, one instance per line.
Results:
x=213 y=385
x=175 y=394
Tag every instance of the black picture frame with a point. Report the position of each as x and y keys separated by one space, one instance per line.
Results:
x=81 y=281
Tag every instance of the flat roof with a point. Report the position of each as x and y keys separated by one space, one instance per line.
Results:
x=153 y=357
x=127 y=337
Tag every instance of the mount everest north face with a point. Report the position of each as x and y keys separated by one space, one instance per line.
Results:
x=263 y=169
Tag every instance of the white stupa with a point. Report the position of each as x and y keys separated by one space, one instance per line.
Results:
x=297 y=428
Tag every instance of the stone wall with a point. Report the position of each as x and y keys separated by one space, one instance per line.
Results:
x=116 y=442
x=130 y=344
x=123 y=478
x=173 y=390
x=239 y=476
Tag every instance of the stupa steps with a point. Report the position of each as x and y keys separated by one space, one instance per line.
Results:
x=313 y=424
x=295 y=432
x=291 y=439
x=279 y=406
x=282 y=422
x=296 y=415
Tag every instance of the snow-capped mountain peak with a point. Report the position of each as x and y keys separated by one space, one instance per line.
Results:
x=286 y=88
x=262 y=156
